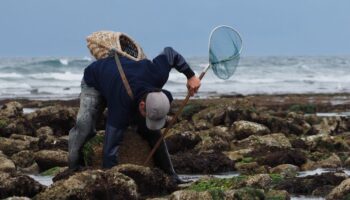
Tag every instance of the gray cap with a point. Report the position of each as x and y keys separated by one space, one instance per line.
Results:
x=157 y=108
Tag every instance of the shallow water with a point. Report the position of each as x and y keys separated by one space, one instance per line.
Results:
x=44 y=180
x=194 y=177
x=321 y=171
x=29 y=110
x=333 y=114
x=306 y=198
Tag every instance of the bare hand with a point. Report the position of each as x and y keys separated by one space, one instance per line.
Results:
x=193 y=85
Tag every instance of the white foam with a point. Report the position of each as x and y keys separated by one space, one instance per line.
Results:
x=306 y=198
x=87 y=58
x=14 y=85
x=10 y=75
x=66 y=76
x=44 y=180
x=64 y=61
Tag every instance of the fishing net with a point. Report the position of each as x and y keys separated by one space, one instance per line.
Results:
x=224 y=51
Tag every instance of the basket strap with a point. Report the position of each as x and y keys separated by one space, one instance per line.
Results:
x=123 y=77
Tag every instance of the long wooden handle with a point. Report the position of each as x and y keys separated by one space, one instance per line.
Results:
x=171 y=123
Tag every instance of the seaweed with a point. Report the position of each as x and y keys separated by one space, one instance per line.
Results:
x=88 y=148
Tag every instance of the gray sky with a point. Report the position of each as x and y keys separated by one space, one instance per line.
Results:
x=268 y=27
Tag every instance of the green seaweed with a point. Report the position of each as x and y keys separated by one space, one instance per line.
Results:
x=276 y=178
x=347 y=197
x=217 y=194
x=249 y=193
x=247 y=160
x=51 y=172
x=190 y=109
x=88 y=148
x=3 y=123
x=306 y=108
x=218 y=184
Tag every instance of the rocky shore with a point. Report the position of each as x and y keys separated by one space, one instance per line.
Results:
x=269 y=141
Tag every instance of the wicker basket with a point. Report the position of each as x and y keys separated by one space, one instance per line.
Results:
x=102 y=43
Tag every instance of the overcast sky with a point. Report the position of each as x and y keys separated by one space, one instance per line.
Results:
x=268 y=27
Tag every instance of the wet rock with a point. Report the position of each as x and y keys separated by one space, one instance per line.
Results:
x=49 y=141
x=6 y=165
x=287 y=126
x=47 y=159
x=11 y=146
x=332 y=162
x=286 y=170
x=133 y=150
x=11 y=110
x=244 y=129
x=306 y=185
x=33 y=141
x=299 y=143
x=245 y=193
x=236 y=113
x=60 y=119
x=45 y=130
x=17 y=125
x=347 y=163
x=23 y=159
x=203 y=163
x=19 y=185
x=182 y=141
x=219 y=118
x=283 y=156
x=215 y=139
x=149 y=181
x=190 y=195
x=277 y=140
x=277 y=194
x=322 y=191
x=249 y=168
x=327 y=143
x=91 y=184
x=202 y=125
x=239 y=154
x=189 y=110
x=308 y=165
x=342 y=191
x=259 y=181
x=181 y=127
x=208 y=114
x=32 y=169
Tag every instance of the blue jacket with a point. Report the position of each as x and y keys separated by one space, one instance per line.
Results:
x=143 y=76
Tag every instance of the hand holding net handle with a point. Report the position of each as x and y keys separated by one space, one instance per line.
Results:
x=173 y=120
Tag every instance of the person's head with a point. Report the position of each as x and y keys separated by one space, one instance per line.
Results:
x=154 y=106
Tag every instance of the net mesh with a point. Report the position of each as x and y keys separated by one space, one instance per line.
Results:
x=224 y=51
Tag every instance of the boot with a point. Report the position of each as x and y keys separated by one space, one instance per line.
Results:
x=163 y=161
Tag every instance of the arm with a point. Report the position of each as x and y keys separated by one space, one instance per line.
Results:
x=177 y=61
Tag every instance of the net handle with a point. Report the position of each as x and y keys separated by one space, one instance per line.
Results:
x=173 y=120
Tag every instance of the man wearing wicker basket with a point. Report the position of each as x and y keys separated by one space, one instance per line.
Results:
x=131 y=86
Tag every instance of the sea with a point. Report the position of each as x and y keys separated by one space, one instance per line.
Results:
x=59 y=77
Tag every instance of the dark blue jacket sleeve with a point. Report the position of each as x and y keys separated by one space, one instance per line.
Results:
x=174 y=60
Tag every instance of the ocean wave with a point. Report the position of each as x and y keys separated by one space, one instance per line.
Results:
x=66 y=76
x=64 y=61
x=14 y=85
x=46 y=65
x=10 y=75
